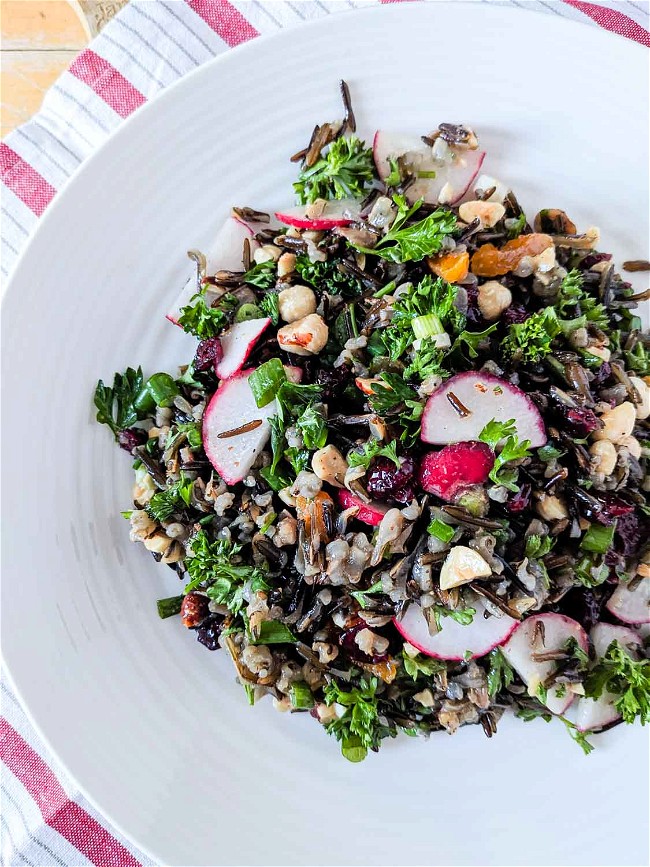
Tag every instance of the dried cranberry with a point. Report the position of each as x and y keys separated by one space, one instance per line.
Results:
x=579 y=420
x=602 y=374
x=474 y=316
x=208 y=353
x=130 y=438
x=515 y=314
x=385 y=481
x=593 y=259
x=627 y=536
x=333 y=380
x=209 y=633
x=612 y=508
x=521 y=500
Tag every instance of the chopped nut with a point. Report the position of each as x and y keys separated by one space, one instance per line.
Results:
x=600 y=351
x=425 y=698
x=329 y=465
x=632 y=445
x=551 y=508
x=446 y=194
x=461 y=566
x=489 y=213
x=326 y=651
x=603 y=457
x=642 y=408
x=194 y=609
x=286 y=264
x=296 y=302
x=371 y=643
x=493 y=299
x=306 y=336
x=618 y=423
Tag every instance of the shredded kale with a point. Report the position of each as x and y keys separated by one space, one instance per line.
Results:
x=270 y=305
x=328 y=277
x=344 y=171
x=531 y=340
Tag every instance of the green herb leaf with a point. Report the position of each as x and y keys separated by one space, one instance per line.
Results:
x=517 y=227
x=274 y=632
x=416 y=241
x=418 y=665
x=627 y=678
x=301 y=696
x=203 y=321
x=538 y=546
x=511 y=450
x=469 y=342
x=360 y=595
x=266 y=380
x=464 y=616
x=574 y=300
x=328 y=277
x=164 y=503
x=262 y=275
x=531 y=340
x=358 y=728
x=344 y=171
x=116 y=406
x=270 y=305
x=192 y=431
x=500 y=674
x=373 y=449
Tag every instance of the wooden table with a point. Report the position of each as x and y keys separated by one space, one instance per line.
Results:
x=40 y=38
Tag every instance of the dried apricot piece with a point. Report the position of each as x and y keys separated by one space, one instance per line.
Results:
x=491 y=261
x=452 y=267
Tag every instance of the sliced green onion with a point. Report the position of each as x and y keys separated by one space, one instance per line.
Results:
x=274 y=632
x=248 y=311
x=250 y=692
x=385 y=290
x=159 y=390
x=266 y=381
x=441 y=530
x=169 y=606
x=427 y=326
x=301 y=696
x=353 y=749
x=430 y=174
x=598 y=539
x=268 y=521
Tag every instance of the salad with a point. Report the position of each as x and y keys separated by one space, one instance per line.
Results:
x=404 y=479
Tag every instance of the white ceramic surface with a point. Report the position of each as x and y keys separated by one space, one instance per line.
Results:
x=151 y=724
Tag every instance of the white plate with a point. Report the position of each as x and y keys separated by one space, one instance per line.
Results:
x=150 y=724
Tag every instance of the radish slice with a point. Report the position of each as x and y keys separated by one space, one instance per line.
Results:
x=226 y=253
x=237 y=344
x=231 y=407
x=486 y=182
x=485 y=397
x=542 y=633
x=631 y=606
x=454 y=640
x=600 y=712
x=341 y=212
x=369 y=513
x=456 y=175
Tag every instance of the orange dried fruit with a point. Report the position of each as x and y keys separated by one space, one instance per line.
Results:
x=452 y=267
x=491 y=261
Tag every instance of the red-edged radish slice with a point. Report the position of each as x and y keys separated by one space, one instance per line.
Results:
x=460 y=408
x=455 y=175
x=340 y=212
x=455 y=641
x=455 y=468
x=226 y=253
x=593 y=714
x=543 y=633
x=631 y=606
x=369 y=513
x=232 y=407
x=486 y=182
x=237 y=344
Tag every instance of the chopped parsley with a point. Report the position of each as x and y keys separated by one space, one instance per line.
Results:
x=116 y=406
x=358 y=729
x=512 y=449
x=418 y=665
x=500 y=674
x=618 y=673
x=164 y=503
x=270 y=305
x=531 y=340
x=416 y=241
x=574 y=300
x=344 y=171
x=205 y=321
x=262 y=275
x=373 y=449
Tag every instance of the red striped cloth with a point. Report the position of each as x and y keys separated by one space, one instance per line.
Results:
x=45 y=819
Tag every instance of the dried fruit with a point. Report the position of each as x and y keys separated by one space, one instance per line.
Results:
x=555 y=222
x=208 y=353
x=490 y=261
x=386 y=482
x=130 y=438
x=452 y=267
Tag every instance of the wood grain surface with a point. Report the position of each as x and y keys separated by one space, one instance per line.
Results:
x=40 y=39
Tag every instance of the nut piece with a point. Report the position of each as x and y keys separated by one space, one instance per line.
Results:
x=371 y=643
x=305 y=337
x=462 y=566
x=618 y=423
x=296 y=302
x=632 y=445
x=425 y=698
x=551 y=508
x=194 y=609
x=643 y=408
x=489 y=213
x=286 y=264
x=493 y=299
x=600 y=351
x=603 y=457
x=329 y=465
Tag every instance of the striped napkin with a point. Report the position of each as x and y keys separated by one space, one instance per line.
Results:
x=45 y=820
